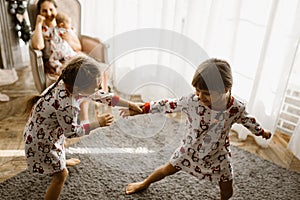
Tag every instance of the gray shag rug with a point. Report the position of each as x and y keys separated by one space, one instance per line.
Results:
x=130 y=149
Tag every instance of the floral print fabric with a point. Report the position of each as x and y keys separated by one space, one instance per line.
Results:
x=53 y=117
x=56 y=49
x=204 y=151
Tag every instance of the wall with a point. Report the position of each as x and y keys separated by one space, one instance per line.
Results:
x=14 y=52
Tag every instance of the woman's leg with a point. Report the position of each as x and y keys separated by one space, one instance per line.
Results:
x=56 y=185
x=157 y=175
x=226 y=189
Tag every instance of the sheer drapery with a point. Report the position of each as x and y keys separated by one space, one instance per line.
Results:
x=295 y=83
x=257 y=37
x=274 y=63
x=294 y=142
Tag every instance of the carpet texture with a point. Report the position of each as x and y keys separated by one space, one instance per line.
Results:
x=130 y=149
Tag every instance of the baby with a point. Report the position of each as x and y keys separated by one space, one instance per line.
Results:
x=61 y=51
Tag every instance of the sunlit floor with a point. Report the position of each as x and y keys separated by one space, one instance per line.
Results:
x=12 y=160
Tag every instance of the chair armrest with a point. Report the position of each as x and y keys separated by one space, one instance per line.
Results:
x=37 y=68
x=93 y=47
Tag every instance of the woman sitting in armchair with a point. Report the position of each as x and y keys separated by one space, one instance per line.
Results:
x=41 y=39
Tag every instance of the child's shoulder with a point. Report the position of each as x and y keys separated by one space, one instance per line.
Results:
x=60 y=87
x=238 y=101
x=190 y=97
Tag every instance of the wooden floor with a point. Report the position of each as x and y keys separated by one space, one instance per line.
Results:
x=12 y=160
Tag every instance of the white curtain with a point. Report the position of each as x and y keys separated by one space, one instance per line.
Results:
x=154 y=46
x=294 y=142
x=295 y=83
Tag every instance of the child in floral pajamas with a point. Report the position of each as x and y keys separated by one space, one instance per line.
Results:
x=54 y=116
x=211 y=111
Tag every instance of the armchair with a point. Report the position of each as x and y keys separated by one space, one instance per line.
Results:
x=90 y=46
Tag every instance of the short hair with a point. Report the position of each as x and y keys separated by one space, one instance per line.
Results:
x=213 y=74
x=81 y=71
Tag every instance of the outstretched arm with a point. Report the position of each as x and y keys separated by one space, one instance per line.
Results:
x=165 y=105
x=161 y=106
x=105 y=119
x=253 y=125
x=126 y=112
x=114 y=100
x=134 y=107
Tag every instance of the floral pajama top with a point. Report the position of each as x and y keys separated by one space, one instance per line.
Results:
x=56 y=49
x=204 y=151
x=54 y=117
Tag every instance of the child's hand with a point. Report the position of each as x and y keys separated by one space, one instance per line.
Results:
x=66 y=36
x=136 y=108
x=125 y=112
x=105 y=119
x=266 y=134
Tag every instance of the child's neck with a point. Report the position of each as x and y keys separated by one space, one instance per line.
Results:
x=223 y=104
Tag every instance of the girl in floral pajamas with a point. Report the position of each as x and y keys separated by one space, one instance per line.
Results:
x=54 y=116
x=211 y=111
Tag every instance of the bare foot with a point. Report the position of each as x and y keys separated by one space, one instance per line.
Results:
x=135 y=187
x=72 y=162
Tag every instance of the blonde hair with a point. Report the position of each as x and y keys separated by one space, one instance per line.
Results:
x=213 y=74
